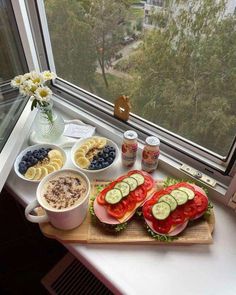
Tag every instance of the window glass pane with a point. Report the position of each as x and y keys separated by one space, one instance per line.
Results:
x=11 y=107
x=12 y=61
x=176 y=59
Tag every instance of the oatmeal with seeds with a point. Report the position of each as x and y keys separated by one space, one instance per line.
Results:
x=64 y=191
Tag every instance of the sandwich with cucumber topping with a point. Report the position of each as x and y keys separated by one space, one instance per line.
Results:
x=169 y=211
x=117 y=202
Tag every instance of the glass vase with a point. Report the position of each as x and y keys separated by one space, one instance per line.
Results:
x=48 y=124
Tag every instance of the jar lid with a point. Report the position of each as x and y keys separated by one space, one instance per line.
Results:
x=130 y=134
x=152 y=140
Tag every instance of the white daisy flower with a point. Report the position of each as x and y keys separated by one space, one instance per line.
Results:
x=26 y=76
x=43 y=93
x=23 y=90
x=17 y=81
x=30 y=87
x=36 y=78
x=47 y=75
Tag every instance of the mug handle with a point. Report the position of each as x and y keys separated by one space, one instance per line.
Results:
x=32 y=218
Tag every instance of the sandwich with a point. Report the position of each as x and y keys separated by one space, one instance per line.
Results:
x=115 y=204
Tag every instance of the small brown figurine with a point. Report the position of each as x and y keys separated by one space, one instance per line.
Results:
x=122 y=108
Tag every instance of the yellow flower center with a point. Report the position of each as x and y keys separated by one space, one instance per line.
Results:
x=36 y=80
x=43 y=93
x=33 y=88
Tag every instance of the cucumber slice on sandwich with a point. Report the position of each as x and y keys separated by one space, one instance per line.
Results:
x=113 y=196
x=169 y=200
x=161 y=210
x=140 y=179
x=188 y=191
x=131 y=182
x=124 y=187
x=180 y=196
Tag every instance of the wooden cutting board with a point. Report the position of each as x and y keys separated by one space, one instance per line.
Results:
x=91 y=232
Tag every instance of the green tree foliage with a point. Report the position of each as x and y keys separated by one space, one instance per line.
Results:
x=185 y=73
x=72 y=42
x=106 y=19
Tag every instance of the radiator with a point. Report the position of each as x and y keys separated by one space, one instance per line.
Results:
x=71 y=277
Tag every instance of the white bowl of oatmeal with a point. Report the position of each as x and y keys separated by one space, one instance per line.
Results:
x=64 y=196
x=37 y=161
x=94 y=154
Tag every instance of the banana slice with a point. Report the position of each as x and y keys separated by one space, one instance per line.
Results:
x=92 y=143
x=55 y=154
x=30 y=173
x=50 y=168
x=58 y=161
x=84 y=148
x=87 y=144
x=80 y=150
x=96 y=142
x=79 y=154
x=83 y=162
x=44 y=172
x=55 y=165
x=38 y=174
x=102 y=142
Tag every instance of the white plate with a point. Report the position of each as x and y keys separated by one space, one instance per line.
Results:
x=32 y=148
x=77 y=145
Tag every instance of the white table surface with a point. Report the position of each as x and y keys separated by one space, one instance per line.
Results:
x=165 y=269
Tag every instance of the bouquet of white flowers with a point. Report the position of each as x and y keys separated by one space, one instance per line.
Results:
x=33 y=85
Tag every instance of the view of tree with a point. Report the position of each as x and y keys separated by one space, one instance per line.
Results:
x=180 y=73
x=106 y=19
x=186 y=73
x=72 y=42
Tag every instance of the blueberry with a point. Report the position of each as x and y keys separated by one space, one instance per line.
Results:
x=106 y=150
x=34 y=161
x=99 y=154
x=37 y=155
x=94 y=162
x=98 y=166
x=95 y=157
x=104 y=165
x=110 y=160
x=48 y=150
x=28 y=164
x=105 y=155
x=22 y=169
x=22 y=163
x=112 y=149
x=92 y=166
x=112 y=154
x=29 y=153
x=41 y=157
x=24 y=158
x=100 y=160
x=44 y=153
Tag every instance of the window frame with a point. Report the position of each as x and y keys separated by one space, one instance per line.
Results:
x=182 y=149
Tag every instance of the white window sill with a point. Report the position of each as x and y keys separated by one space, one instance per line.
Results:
x=138 y=269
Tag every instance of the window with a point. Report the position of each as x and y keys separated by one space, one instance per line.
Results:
x=179 y=71
x=12 y=63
